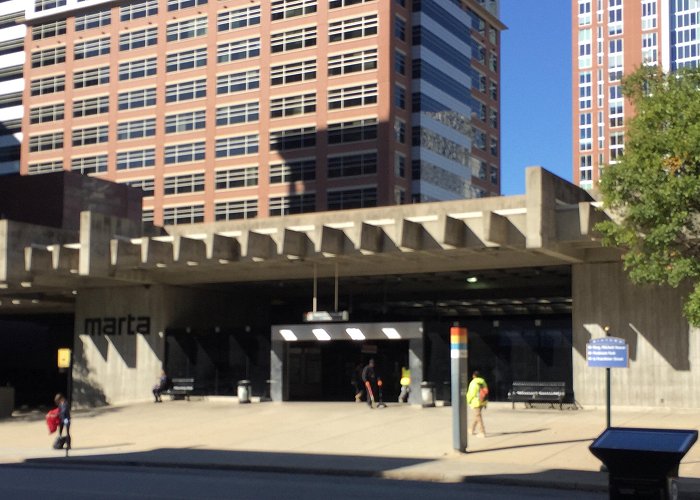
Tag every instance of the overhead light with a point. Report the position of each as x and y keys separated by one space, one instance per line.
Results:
x=391 y=333
x=472 y=279
x=288 y=335
x=321 y=334
x=355 y=333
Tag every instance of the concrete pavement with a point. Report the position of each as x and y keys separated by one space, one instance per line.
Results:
x=537 y=446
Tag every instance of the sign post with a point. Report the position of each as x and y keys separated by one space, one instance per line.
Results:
x=607 y=352
x=458 y=355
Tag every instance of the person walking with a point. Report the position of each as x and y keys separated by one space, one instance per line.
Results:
x=369 y=378
x=64 y=420
x=405 y=384
x=477 y=399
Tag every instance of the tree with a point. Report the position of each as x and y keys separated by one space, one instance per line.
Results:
x=653 y=191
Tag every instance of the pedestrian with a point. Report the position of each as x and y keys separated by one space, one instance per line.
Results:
x=405 y=384
x=477 y=399
x=356 y=381
x=369 y=378
x=63 y=422
x=162 y=386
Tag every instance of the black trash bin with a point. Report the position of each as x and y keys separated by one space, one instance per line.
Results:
x=642 y=463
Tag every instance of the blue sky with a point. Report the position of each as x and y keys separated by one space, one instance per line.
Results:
x=535 y=90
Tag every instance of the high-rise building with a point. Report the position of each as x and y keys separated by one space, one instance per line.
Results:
x=12 y=34
x=612 y=38
x=234 y=109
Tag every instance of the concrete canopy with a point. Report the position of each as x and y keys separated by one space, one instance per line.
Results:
x=40 y=267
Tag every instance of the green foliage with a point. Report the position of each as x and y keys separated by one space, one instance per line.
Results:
x=655 y=186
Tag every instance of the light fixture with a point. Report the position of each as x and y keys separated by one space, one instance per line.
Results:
x=391 y=333
x=321 y=334
x=355 y=333
x=288 y=335
x=472 y=279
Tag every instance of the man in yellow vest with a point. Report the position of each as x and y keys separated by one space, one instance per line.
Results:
x=477 y=399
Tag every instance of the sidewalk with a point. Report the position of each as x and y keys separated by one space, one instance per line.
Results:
x=537 y=447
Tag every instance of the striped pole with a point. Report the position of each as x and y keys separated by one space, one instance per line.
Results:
x=458 y=355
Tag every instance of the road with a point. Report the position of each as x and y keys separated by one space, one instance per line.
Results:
x=107 y=482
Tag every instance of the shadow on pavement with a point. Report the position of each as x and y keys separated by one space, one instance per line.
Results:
x=531 y=445
x=517 y=432
x=304 y=463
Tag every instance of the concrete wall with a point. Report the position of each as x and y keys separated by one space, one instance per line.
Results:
x=664 y=350
x=121 y=364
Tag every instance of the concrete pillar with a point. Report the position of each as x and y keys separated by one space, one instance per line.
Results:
x=279 y=386
x=415 y=364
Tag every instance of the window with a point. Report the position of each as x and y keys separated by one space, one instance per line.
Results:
x=293 y=72
x=348 y=29
x=352 y=198
x=137 y=158
x=399 y=165
x=180 y=184
x=90 y=135
x=91 y=77
x=237 y=177
x=292 y=171
x=140 y=98
x=136 y=129
x=89 y=164
x=296 y=138
x=40 y=5
x=284 y=9
x=11 y=99
x=293 y=204
x=183 y=4
x=238 y=82
x=188 y=214
x=138 y=39
x=294 y=39
x=184 y=153
x=147 y=185
x=147 y=215
x=346 y=97
x=239 y=18
x=91 y=106
x=352 y=131
x=334 y=4
x=185 y=122
x=352 y=165
x=136 y=10
x=237 y=113
x=137 y=69
x=352 y=62
x=400 y=131
x=293 y=105
x=92 y=48
x=93 y=20
x=48 y=113
x=400 y=97
x=236 y=146
x=400 y=28
x=236 y=209
x=187 y=59
x=45 y=167
x=400 y=62
x=48 y=85
x=189 y=28
x=238 y=50
x=185 y=91
x=48 y=30
x=47 y=57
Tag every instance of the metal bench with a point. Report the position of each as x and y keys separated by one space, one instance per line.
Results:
x=537 y=392
x=181 y=388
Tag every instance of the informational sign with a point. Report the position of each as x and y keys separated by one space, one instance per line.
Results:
x=458 y=342
x=607 y=352
x=64 y=358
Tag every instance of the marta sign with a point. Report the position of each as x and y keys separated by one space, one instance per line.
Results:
x=607 y=352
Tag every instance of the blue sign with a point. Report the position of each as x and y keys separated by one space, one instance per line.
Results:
x=607 y=352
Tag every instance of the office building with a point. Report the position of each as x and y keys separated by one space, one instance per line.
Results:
x=12 y=34
x=612 y=38
x=228 y=109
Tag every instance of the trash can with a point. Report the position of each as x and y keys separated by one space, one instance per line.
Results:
x=244 y=391
x=427 y=392
x=642 y=463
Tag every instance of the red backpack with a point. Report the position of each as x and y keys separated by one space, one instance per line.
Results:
x=483 y=393
x=53 y=419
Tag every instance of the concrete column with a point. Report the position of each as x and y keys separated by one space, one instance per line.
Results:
x=415 y=364
x=279 y=386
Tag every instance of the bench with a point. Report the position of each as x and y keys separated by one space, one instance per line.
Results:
x=537 y=392
x=181 y=387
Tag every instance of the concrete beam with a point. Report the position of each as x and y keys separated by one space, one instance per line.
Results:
x=188 y=250
x=37 y=259
x=124 y=252
x=371 y=238
x=96 y=233
x=333 y=241
x=296 y=243
x=222 y=248
x=65 y=258
x=156 y=253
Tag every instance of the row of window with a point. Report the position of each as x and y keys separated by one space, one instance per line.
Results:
x=226 y=52
x=282 y=140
